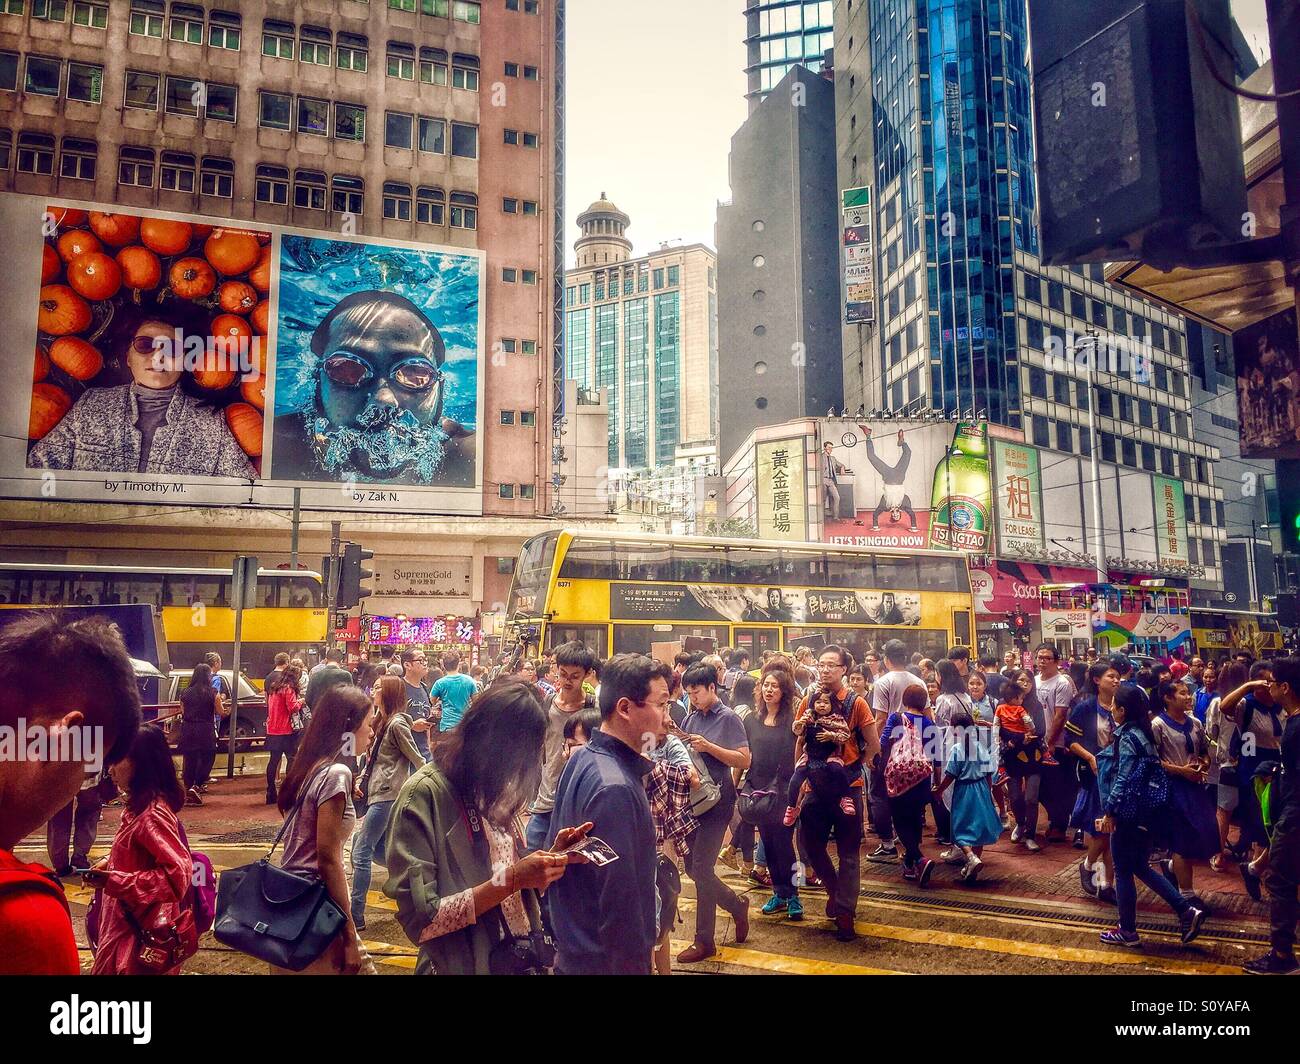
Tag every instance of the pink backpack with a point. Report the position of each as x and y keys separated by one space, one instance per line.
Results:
x=203 y=888
x=907 y=765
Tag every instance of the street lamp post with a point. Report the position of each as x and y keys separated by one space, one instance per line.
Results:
x=1098 y=533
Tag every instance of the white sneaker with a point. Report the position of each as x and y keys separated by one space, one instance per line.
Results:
x=953 y=856
x=971 y=869
x=1016 y=833
x=1032 y=845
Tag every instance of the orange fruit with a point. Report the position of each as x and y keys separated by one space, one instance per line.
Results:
x=49 y=404
x=192 y=278
x=232 y=251
x=42 y=368
x=78 y=359
x=260 y=275
x=237 y=297
x=165 y=236
x=260 y=319
x=140 y=267
x=61 y=311
x=95 y=276
x=115 y=229
x=246 y=425
x=77 y=242
x=51 y=264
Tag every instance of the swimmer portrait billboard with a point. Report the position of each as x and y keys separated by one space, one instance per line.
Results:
x=378 y=363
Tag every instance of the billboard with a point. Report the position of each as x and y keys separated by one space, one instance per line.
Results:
x=180 y=359
x=1017 y=496
x=761 y=605
x=916 y=484
x=1268 y=387
x=781 y=495
x=859 y=278
x=1171 y=519
x=1001 y=587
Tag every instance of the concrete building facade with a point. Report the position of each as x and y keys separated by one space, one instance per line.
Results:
x=778 y=271
x=645 y=330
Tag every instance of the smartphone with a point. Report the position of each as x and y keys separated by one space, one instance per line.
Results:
x=597 y=851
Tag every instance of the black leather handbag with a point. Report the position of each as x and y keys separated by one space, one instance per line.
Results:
x=287 y=919
x=757 y=807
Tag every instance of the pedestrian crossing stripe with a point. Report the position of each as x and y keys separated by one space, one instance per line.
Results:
x=781 y=963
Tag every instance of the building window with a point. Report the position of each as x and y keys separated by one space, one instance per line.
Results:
x=507 y=346
x=309 y=190
x=177 y=172
x=674 y=276
x=509 y=205
x=464 y=210
x=1037 y=383
x=186 y=24
x=509 y=275
x=313 y=116
x=275 y=110
x=433 y=66
x=146 y=18
x=506 y=491
x=527 y=418
x=1040 y=432
x=659 y=279
x=272 y=184
x=531 y=140
x=6 y=150
x=512 y=70
x=529 y=277
x=224 y=30
x=584 y=293
x=183 y=96
x=433 y=135
x=353 y=52
x=35 y=153
x=8 y=70
x=529 y=347
x=1064 y=437
x=222 y=102
x=277 y=39
x=1078 y=307
x=530 y=209
x=507 y=417
x=349 y=121
x=512 y=136
x=397 y=201
x=464 y=139
x=50 y=10
x=436 y=8
x=464 y=72
x=401 y=61
x=43 y=75
x=430 y=205
x=95 y=16
x=77 y=160
x=141 y=90
x=314 y=45
x=525 y=491
x=85 y=82
x=217 y=177
x=1060 y=388
x=134 y=167
x=347 y=194
x=398 y=129
x=1107 y=447
x=465 y=11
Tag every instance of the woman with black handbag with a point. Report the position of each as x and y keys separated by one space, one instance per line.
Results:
x=200 y=707
x=316 y=797
x=761 y=800
x=146 y=925
x=463 y=894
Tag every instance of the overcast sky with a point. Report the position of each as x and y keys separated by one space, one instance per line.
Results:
x=655 y=92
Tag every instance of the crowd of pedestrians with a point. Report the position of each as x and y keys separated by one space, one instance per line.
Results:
x=542 y=818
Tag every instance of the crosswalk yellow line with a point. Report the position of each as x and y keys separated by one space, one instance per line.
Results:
x=784 y=964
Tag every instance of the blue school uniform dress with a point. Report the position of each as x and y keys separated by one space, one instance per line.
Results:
x=1193 y=830
x=1090 y=726
x=974 y=819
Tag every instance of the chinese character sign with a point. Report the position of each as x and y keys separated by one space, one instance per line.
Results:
x=1017 y=495
x=1171 y=519
x=781 y=488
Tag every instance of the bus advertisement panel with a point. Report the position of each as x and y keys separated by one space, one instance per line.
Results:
x=173 y=358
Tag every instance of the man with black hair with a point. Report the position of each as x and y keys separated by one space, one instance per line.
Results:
x=329 y=673
x=573 y=661
x=718 y=735
x=737 y=666
x=960 y=656
x=992 y=677
x=1283 y=876
x=604 y=916
x=69 y=689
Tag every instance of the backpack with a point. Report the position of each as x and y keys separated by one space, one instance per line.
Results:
x=1147 y=795
x=907 y=765
x=203 y=888
x=708 y=793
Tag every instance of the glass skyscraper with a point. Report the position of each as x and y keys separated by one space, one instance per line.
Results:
x=779 y=35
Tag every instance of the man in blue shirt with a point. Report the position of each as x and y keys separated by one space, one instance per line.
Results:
x=604 y=915
x=452 y=692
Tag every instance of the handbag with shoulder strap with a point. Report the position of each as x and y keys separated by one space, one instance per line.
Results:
x=708 y=793
x=285 y=918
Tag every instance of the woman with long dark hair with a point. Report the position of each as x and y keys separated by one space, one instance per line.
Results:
x=1220 y=730
x=283 y=701
x=1089 y=730
x=1024 y=773
x=198 y=738
x=393 y=757
x=772 y=745
x=1185 y=754
x=453 y=852
x=317 y=798
x=147 y=874
x=1120 y=769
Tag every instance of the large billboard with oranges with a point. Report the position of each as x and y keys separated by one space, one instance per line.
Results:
x=182 y=359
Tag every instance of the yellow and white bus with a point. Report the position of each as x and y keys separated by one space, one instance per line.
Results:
x=194 y=604
x=623 y=592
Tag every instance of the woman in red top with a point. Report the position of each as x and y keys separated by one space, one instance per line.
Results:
x=147 y=875
x=282 y=702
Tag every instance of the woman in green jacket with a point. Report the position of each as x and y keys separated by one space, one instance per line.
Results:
x=453 y=864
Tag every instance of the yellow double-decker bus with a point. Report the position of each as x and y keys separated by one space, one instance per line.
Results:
x=621 y=592
x=195 y=605
x=1218 y=633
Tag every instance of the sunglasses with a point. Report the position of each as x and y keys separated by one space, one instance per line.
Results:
x=352 y=371
x=143 y=345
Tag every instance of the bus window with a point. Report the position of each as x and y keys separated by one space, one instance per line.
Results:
x=698 y=565
x=585 y=560
x=9 y=587
x=643 y=561
x=893 y=571
x=805 y=568
x=45 y=589
x=746 y=566
x=637 y=638
x=928 y=642
x=84 y=590
x=855 y=572
x=942 y=574
x=595 y=636
x=143 y=588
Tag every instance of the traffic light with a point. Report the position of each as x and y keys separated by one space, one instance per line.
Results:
x=352 y=577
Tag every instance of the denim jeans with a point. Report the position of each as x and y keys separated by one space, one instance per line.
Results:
x=1130 y=847
x=537 y=832
x=370 y=838
x=278 y=746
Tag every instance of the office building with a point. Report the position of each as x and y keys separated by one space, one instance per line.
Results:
x=644 y=329
x=778 y=268
x=780 y=35
x=934 y=116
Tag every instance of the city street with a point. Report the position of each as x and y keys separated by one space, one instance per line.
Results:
x=1025 y=917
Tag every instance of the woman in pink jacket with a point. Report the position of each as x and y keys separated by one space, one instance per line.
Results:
x=147 y=875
